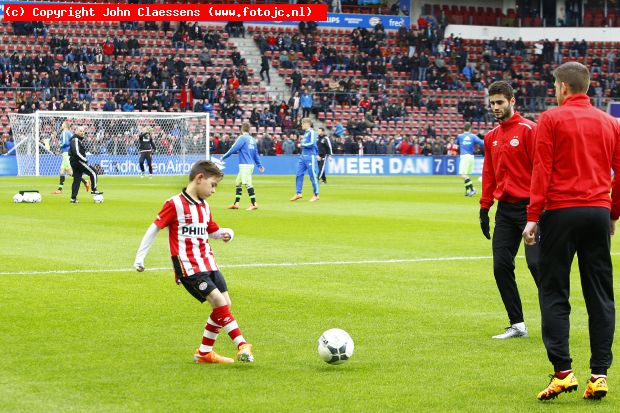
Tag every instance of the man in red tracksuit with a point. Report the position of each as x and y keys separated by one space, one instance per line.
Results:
x=577 y=146
x=506 y=176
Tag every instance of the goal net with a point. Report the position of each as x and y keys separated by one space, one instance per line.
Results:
x=111 y=140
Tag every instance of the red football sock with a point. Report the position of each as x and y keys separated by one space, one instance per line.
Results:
x=562 y=374
x=223 y=317
x=208 y=339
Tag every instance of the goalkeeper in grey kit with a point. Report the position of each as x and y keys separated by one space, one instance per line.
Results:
x=146 y=147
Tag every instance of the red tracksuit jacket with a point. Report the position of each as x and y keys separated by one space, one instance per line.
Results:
x=508 y=160
x=577 y=146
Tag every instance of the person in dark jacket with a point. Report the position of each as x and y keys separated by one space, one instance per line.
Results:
x=146 y=148
x=506 y=176
x=79 y=164
x=577 y=147
x=264 y=68
x=325 y=150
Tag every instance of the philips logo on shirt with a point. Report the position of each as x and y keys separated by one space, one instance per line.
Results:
x=194 y=230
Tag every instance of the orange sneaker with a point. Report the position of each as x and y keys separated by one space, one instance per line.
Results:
x=57 y=192
x=212 y=357
x=252 y=207
x=244 y=354
x=314 y=198
x=233 y=206
x=87 y=186
x=295 y=198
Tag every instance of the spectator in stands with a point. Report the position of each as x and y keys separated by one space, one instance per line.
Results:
x=207 y=107
x=364 y=104
x=9 y=144
x=427 y=149
x=540 y=91
x=108 y=50
x=267 y=118
x=133 y=46
x=305 y=102
x=452 y=149
x=39 y=29
x=264 y=68
x=205 y=58
x=254 y=118
x=339 y=130
x=468 y=72
x=595 y=67
x=296 y=81
x=404 y=146
x=288 y=146
x=336 y=6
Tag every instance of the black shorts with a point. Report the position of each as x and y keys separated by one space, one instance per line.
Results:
x=201 y=284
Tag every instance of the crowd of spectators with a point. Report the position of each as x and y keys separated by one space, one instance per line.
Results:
x=431 y=62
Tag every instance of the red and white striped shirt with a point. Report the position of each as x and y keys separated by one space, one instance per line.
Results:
x=189 y=224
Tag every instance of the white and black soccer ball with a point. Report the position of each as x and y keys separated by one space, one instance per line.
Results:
x=335 y=346
x=36 y=197
x=17 y=198
x=98 y=199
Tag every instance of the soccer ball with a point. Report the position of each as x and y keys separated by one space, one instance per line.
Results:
x=36 y=197
x=17 y=198
x=98 y=199
x=335 y=346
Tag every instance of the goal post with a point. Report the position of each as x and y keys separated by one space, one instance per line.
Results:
x=111 y=140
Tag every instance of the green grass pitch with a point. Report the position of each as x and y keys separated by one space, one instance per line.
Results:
x=80 y=331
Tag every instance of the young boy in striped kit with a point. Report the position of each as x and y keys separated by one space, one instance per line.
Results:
x=190 y=225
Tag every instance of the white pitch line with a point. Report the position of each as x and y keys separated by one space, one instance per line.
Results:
x=265 y=264
x=272 y=264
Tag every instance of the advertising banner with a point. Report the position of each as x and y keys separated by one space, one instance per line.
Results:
x=274 y=165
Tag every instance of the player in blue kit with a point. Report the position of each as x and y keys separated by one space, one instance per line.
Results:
x=245 y=146
x=466 y=142
x=65 y=166
x=308 y=161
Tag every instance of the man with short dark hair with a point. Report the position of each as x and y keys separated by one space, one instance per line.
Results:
x=325 y=150
x=506 y=176
x=569 y=199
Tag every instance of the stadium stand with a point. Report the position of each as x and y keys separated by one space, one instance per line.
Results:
x=379 y=86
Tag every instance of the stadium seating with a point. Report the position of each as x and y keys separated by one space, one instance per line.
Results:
x=528 y=69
